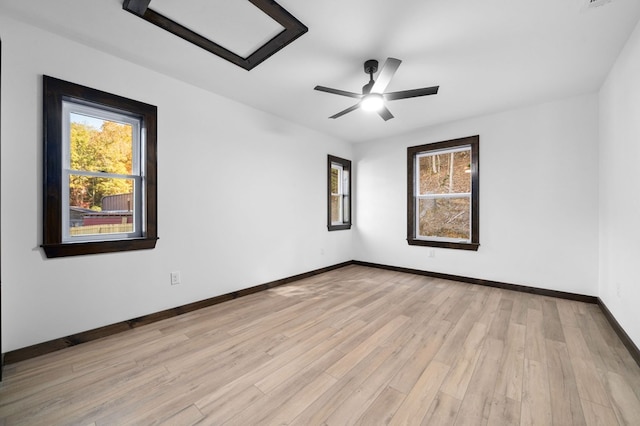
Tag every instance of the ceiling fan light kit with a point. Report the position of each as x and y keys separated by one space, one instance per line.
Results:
x=372 y=102
x=373 y=97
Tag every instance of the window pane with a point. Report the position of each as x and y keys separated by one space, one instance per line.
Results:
x=335 y=180
x=445 y=218
x=100 y=205
x=346 y=203
x=335 y=209
x=99 y=145
x=345 y=182
x=445 y=173
x=338 y=198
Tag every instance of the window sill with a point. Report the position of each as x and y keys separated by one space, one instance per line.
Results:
x=339 y=227
x=444 y=244
x=95 y=247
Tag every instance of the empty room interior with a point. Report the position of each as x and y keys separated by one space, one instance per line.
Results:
x=320 y=213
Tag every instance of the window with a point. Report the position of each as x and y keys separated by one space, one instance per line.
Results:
x=442 y=201
x=339 y=193
x=99 y=171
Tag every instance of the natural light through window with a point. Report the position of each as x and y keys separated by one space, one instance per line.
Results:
x=102 y=174
x=99 y=171
x=443 y=204
x=444 y=195
x=339 y=191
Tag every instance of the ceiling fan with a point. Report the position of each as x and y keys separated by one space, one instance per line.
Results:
x=373 y=95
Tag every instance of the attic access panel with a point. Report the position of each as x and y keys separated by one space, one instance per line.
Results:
x=292 y=30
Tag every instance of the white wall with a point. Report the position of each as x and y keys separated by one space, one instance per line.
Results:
x=241 y=197
x=620 y=188
x=538 y=198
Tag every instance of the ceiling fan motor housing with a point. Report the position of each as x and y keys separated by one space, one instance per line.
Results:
x=371 y=66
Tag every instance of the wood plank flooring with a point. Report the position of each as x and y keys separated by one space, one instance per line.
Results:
x=355 y=345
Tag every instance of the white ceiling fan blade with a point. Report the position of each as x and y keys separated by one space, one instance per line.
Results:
x=386 y=74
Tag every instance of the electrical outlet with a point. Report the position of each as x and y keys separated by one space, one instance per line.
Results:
x=432 y=252
x=175 y=277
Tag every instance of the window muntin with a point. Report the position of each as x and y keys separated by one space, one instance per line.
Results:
x=443 y=194
x=339 y=192
x=113 y=191
x=101 y=161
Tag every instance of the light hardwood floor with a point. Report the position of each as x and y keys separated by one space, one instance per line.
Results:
x=352 y=346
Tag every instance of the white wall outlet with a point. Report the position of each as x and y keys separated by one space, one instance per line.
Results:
x=175 y=277
x=432 y=252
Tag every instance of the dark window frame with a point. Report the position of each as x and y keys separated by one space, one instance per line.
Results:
x=474 y=143
x=55 y=91
x=346 y=165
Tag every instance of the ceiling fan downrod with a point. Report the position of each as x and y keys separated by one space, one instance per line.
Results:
x=370 y=67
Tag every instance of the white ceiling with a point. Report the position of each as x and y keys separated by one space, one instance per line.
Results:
x=487 y=56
